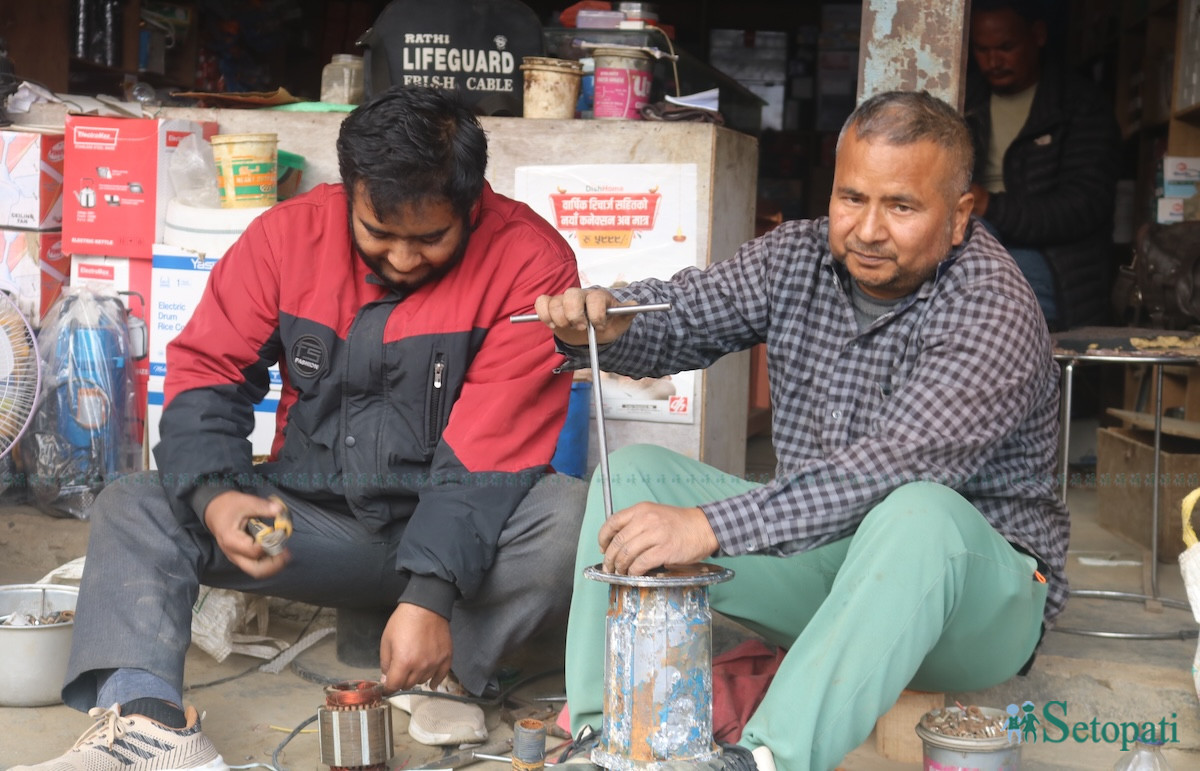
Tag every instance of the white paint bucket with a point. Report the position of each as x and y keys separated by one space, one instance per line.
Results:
x=961 y=753
x=551 y=87
x=622 y=81
x=33 y=659
x=247 y=169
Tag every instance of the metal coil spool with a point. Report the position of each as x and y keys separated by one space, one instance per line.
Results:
x=355 y=726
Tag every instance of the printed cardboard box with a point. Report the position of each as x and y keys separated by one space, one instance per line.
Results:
x=1181 y=168
x=34 y=264
x=1169 y=210
x=31 y=180
x=118 y=182
x=179 y=277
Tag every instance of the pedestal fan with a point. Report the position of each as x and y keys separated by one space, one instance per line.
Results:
x=20 y=377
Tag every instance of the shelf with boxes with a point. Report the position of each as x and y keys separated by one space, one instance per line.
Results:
x=1158 y=104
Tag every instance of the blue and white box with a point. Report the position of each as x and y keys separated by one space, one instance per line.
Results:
x=1181 y=168
x=178 y=277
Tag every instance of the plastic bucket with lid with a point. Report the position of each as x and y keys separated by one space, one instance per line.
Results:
x=33 y=657
x=551 y=87
x=622 y=82
x=247 y=169
x=209 y=232
x=966 y=753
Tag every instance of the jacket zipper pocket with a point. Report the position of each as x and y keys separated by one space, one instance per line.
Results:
x=435 y=399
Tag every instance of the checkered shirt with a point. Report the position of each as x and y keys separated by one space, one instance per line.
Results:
x=956 y=385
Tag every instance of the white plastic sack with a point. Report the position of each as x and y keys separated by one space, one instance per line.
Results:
x=1189 y=566
x=221 y=618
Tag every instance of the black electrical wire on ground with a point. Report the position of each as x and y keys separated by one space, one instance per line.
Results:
x=295 y=732
x=255 y=667
x=583 y=741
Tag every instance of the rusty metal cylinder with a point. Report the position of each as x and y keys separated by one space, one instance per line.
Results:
x=355 y=726
x=658 y=669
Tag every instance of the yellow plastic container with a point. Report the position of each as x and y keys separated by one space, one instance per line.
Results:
x=247 y=169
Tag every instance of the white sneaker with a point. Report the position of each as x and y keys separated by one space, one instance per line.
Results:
x=136 y=743
x=438 y=721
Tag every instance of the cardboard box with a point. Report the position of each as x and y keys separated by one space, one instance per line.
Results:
x=1180 y=168
x=31 y=180
x=33 y=261
x=1124 y=486
x=1179 y=189
x=179 y=277
x=118 y=182
x=1169 y=210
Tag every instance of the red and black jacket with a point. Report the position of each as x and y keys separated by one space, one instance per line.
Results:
x=432 y=408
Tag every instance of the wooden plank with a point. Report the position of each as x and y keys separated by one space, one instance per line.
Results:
x=1188 y=429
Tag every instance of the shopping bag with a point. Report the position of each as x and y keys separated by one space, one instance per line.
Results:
x=1189 y=567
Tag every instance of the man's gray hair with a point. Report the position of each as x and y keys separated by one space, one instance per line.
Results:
x=906 y=117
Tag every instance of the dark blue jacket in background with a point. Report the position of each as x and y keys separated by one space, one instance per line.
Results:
x=1060 y=176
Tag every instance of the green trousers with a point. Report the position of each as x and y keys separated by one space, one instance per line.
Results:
x=925 y=594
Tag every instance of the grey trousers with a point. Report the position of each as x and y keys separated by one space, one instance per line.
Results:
x=144 y=570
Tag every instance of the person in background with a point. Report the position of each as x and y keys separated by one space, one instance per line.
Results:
x=1046 y=162
x=912 y=535
x=415 y=431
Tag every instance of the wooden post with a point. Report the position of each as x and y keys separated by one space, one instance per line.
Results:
x=895 y=731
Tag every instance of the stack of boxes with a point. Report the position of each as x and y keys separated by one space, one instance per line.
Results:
x=33 y=267
x=117 y=180
x=1180 y=176
x=758 y=59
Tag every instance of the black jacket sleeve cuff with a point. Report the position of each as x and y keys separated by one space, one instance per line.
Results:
x=202 y=496
x=431 y=593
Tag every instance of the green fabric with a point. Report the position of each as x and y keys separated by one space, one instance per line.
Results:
x=925 y=594
x=313 y=107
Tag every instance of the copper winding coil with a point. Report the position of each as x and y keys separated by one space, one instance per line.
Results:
x=354 y=694
x=355 y=726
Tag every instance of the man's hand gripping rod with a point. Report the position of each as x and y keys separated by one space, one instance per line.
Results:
x=597 y=397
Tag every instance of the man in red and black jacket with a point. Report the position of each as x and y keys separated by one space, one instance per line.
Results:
x=414 y=434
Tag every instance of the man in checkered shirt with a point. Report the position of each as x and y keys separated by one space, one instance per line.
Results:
x=912 y=536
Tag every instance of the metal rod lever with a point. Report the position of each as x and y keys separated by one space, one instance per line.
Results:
x=597 y=396
x=616 y=310
x=601 y=434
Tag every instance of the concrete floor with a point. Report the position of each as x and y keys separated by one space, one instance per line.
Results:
x=250 y=713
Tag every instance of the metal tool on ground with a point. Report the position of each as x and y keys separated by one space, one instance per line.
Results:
x=658 y=663
x=272 y=535
x=355 y=726
x=467 y=757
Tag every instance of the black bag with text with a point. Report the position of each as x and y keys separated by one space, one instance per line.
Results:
x=1161 y=287
x=473 y=47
